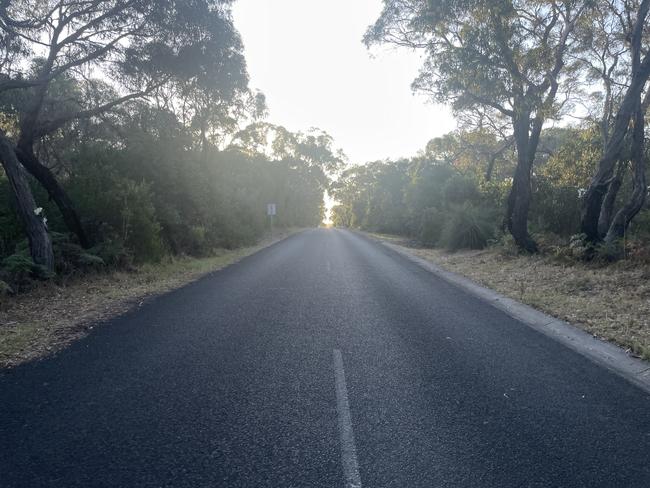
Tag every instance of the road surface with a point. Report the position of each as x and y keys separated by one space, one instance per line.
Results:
x=326 y=360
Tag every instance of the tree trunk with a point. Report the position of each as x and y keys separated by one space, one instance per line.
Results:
x=25 y=153
x=40 y=245
x=625 y=215
x=490 y=167
x=607 y=209
x=593 y=200
x=56 y=193
x=520 y=193
x=629 y=105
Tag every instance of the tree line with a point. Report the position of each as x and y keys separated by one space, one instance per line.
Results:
x=454 y=194
x=128 y=131
x=512 y=69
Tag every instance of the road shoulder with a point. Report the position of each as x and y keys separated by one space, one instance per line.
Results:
x=50 y=317
x=604 y=353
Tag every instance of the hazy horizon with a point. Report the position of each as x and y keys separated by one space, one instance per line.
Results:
x=318 y=73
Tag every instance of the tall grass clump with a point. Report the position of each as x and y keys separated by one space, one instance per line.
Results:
x=467 y=227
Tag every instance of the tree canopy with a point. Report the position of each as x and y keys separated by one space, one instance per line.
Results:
x=128 y=131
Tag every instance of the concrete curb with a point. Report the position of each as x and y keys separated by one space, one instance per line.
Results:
x=606 y=354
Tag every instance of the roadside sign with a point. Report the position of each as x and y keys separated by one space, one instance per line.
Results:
x=270 y=209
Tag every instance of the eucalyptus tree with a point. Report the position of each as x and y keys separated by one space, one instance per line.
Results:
x=312 y=152
x=507 y=57
x=605 y=57
x=620 y=36
x=480 y=151
x=14 y=17
x=115 y=51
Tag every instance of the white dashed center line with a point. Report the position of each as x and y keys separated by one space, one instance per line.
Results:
x=346 y=434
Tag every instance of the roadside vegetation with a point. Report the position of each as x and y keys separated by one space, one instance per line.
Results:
x=609 y=300
x=511 y=71
x=53 y=313
x=129 y=135
x=551 y=99
x=134 y=158
x=541 y=192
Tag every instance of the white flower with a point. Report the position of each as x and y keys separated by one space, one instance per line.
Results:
x=38 y=211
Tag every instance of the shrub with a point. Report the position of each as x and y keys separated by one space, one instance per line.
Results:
x=140 y=228
x=460 y=189
x=113 y=254
x=5 y=289
x=18 y=270
x=70 y=258
x=431 y=223
x=555 y=209
x=638 y=250
x=579 y=247
x=467 y=227
x=505 y=245
x=608 y=252
x=640 y=225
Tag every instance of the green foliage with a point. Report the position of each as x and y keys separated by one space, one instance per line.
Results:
x=70 y=258
x=113 y=254
x=451 y=205
x=151 y=193
x=142 y=170
x=5 y=288
x=139 y=226
x=467 y=227
x=608 y=252
x=20 y=268
x=460 y=189
x=572 y=164
x=425 y=199
x=124 y=208
x=580 y=247
x=555 y=208
x=10 y=227
x=505 y=245
x=432 y=222
x=640 y=228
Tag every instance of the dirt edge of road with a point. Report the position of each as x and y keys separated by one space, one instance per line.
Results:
x=576 y=337
x=50 y=317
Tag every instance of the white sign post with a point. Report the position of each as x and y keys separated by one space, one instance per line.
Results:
x=271 y=211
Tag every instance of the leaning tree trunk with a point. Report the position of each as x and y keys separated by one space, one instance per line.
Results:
x=607 y=208
x=600 y=182
x=599 y=185
x=521 y=192
x=56 y=193
x=25 y=153
x=625 y=215
x=40 y=245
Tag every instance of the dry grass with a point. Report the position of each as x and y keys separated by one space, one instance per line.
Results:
x=51 y=316
x=611 y=302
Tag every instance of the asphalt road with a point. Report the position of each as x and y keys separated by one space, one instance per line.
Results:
x=325 y=360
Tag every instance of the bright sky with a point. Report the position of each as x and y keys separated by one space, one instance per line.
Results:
x=308 y=59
